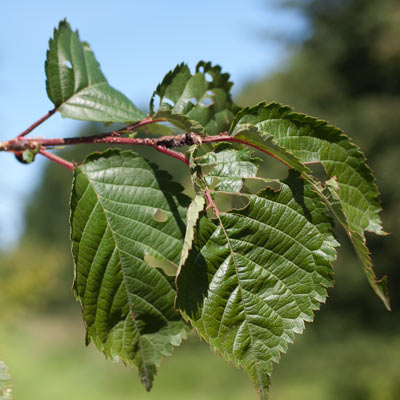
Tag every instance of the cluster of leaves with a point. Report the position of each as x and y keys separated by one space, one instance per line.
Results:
x=247 y=260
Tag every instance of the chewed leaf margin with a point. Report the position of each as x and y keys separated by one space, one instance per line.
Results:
x=76 y=85
x=314 y=141
x=229 y=166
x=203 y=97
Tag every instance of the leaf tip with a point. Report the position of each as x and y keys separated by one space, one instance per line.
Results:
x=147 y=379
x=382 y=291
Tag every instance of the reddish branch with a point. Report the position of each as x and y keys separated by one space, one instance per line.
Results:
x=20 y=143
x=162 y=144
x=210 y=202
x=57 y=159
x=143 y=122
x=37 y=123
x=172 y=153
x=224 y=137
x=109 y=138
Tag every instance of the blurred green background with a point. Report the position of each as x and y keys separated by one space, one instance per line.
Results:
x=347 y=70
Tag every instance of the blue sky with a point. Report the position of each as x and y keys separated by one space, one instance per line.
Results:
x=136 y=43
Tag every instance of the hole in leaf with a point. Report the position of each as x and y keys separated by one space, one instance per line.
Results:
x=167 y=266
x=318 y=171
x=230 y=201
x=193 y=100
x=160 y=215
x=270 y=167
x=206 y=102
x=212 y=182
x=210 y=213
x=156 y=101
x=168 y=101
x=254 y=185
x=223 y=146
x=206 y=169
x=68 y=64
x=208 y=77
x=239 y=202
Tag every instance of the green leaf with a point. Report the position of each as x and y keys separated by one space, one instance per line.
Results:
x=157 y=130
x=128 y=305
x=203 y=97
x=182 y=122
x=5 y=383
x=265 y=141
x=230 y=167
x=314 y=141
x=330 y=192
x=255 y=275
x=76 y=85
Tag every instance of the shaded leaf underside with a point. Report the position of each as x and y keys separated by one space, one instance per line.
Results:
x=128 y=306
x=255 y=275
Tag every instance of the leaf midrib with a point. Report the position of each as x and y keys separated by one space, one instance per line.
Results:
x=241 y=297
x=270 y=272
x=144 y=364
x=308 y=137
x=322 y=160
